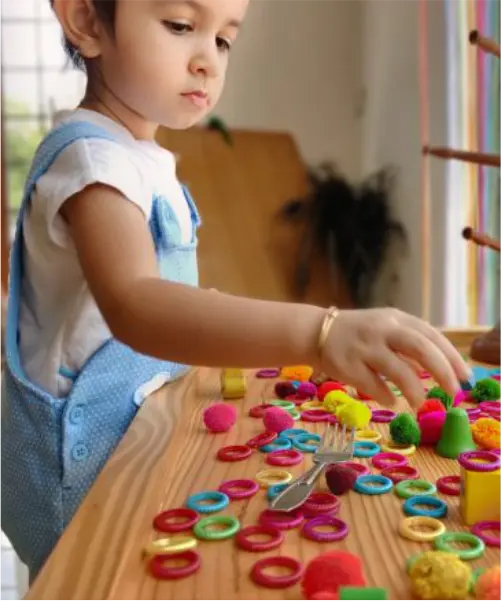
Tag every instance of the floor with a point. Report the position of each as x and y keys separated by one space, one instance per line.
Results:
x=14 y=576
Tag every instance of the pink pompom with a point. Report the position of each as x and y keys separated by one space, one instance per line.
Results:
x=277 y=419
x=220 y=417
x=463 y=396
x=431 y=425
x=306 y=390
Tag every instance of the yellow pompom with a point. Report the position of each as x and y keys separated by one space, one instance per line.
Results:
x=486 y=432
x=440 y=575
x=354 y=415
x=336 y=398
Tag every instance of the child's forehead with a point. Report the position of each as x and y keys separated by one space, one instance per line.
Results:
x=233 y=10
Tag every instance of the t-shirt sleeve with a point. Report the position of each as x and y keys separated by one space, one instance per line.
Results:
x=81 y=164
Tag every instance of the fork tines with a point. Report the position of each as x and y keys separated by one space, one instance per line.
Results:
x=337 y=439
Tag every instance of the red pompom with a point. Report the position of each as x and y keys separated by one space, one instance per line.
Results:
x=325 y=595
x=284 y=389
x=220 y=417
x=326 y=387
x=362 y=396
x=340 y=479
x=277 y=419
x=330 y=571
x=430 y=405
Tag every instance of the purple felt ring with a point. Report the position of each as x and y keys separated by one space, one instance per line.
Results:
x=492 y=461
x=382 y=416
x=310 y=529
x=281 y=520
x=385 y=460
x=239 y=489
x=479 y=529
x=268 y=373
x=315 y=415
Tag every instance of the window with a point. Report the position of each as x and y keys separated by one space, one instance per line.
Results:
x=37 y=81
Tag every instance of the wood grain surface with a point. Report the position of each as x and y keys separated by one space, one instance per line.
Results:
x=157 y=466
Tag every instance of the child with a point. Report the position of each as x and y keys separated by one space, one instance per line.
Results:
x=104 y=306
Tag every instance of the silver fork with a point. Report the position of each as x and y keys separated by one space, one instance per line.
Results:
x=335 y=447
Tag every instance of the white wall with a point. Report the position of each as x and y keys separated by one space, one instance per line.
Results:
x=391 y=129
x=297 y=67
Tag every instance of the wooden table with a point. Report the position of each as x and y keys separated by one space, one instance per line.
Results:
x=157 y=466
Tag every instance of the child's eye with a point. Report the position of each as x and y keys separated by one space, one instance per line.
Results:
x=223 y=44
x=178 y=27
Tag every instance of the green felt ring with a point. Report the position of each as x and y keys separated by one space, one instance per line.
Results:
x=442 y=543
x=295 y=414
x=202 y=528
x=287 y=405
x=402 y=489
x=412 y=560
x=474 y=578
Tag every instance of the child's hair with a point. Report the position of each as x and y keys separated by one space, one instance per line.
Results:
x=105 y=10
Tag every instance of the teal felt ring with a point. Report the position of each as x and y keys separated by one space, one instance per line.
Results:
x=275 y=490
x=292 y=433
x=383 y=484
x=439 y=506
x=300 y=442
x=365 y=448
x=279 y=444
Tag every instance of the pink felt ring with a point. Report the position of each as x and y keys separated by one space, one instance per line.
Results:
x=268 y=373
x=281 y=520
x=310 y=529
x=479 y=529
x=284 y=457
x=362 y=470
x=489 y=406
x=384 y=460
x=315 y=415
x=449 y=485
x=239 y=489
x=332 y=419
x=383 y=416
x=320 y=503
x=473 y=412
x=398 y=474
x=496 y=451
x=491 y=461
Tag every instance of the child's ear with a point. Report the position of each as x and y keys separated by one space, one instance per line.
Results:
x=80 y=25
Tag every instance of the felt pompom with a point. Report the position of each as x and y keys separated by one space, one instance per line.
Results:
x=404 y=429
x=488 y=584
x=340 y=479
x=302 y=373
x=430 y=405
x=276 y=419
x=431 y=425
x=324 y=595
x=306 y=390
x=220 y=417
x=439 y=393
x=330 y=571
x=486 y=390
x=486 y=433
x=354 y=415
x=335 y=398
x=327 y=387
x=284 y=389
x=440 y=575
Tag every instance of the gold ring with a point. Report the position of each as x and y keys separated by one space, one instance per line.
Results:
x=371 y=435
x=171 y=544
x=403 y=449
x=273 y=476
x=408 y=525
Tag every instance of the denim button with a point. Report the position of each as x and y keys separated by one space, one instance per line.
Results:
x=77 y=414
x=80 y=452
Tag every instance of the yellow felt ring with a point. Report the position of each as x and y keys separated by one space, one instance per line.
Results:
x=269 y=477
x=310 y=405
x=170 y=544
x=371 y=435
x=403 y=449
x=408 y=525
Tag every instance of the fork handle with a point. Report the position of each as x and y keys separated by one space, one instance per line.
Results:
x=314 y=473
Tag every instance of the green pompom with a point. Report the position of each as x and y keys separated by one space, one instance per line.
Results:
x=404 y=429
x=439 y=393
x=486 y=390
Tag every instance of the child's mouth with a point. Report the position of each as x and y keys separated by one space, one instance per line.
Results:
x=198 y=98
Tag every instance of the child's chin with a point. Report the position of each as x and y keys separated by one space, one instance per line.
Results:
x=184 y=121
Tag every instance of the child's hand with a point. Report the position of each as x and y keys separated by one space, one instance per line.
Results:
x=364 y=344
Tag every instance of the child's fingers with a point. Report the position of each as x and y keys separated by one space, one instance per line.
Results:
x=372 y=385
x=401 y=374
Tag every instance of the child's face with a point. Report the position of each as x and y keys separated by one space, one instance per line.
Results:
x=168 y=59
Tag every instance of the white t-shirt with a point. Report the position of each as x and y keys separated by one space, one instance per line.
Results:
x=60 y=323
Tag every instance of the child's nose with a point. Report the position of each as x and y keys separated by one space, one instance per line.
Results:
x=205 y=65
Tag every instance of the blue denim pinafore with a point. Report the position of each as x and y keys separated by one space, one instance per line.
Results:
x=54 y=448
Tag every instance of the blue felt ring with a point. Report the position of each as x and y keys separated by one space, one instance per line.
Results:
x=300 y=442
x=361 y=484
x=279 y=444
x=365 y=448
x=220 y=502
x=275 y=490
x=292 y=433
x=440 y=506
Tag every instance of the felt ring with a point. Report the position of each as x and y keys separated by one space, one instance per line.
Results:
x=295 y=414
x=315 y=415
x=489 y=406
x=384 y=485
x=239 y=489
x=279 y=444
x=287 y=405
x=403 y=449
x=274 y=490
x=281 y=520
x=260 y=577
x=160 y=570
x=218 y=501
x=365 y=448
x=301 y=442
x=268 y=373
x=262 y=439
x=439 y=507
x=403 y=488
x=272 y=476
x=340 y=529
x=491 y=462
x=234 y=453
x=258 y=410
x=163 y=521
x=496 y=451
x=449 y=485
x=362 y=470
x=384 y=460
x=371 y=435
x=477 y=545
x=297 y=399
x=307 y=405
x=243 y=538
x=408 y=530
x=284 y=457
x=333 y=419
x=479 y=529
x=170 y=545
x=291 y=433
x=383 y=416
x=204 y=531
x=399 y=474
x=321 y=503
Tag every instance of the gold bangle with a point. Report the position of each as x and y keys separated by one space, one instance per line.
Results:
x=408 y=528
x=171 y=544
x=329 y=319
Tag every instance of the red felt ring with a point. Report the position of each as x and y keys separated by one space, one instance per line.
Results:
x=360 y=468
x=280 y=519
x=385 y=460
x=449 y=485
x=315 y=415
x=259 y=576
x=162 y=521
x=382 y=416
x=243 y=538
x=234 y=453
x=262 y=439
x=320 y=503
x=258 y=410
x=239 y=489
x=162 y=571
x=296 y=399
x=398 y=474
x=284 y=457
